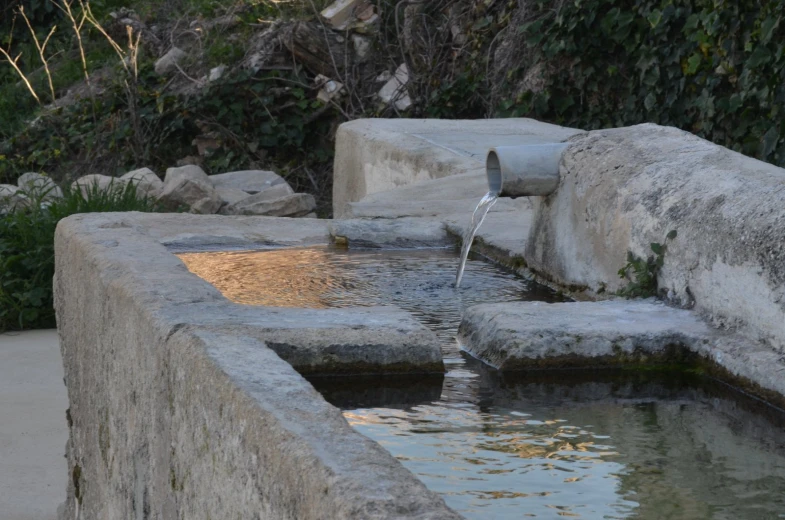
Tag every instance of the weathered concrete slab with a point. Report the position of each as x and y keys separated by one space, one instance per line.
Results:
x=526 y=335
x=519 y=335
x=376 y=155
x=180 y=413
x=33 y=428
x=396 y=233
x=365 y=340
x=181 y=231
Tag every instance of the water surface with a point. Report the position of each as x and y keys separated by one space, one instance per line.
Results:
x=571 y=444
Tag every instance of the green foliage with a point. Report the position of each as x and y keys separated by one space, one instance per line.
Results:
x=27 y=249
x=457 y=99
x=642 y=274
x=712 y=67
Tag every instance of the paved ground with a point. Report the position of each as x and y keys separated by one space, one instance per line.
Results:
x=33 y=432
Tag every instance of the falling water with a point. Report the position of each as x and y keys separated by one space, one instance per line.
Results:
x=478 y=216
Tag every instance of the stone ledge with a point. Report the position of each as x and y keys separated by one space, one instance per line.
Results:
x=519 y=335
x=531 y=335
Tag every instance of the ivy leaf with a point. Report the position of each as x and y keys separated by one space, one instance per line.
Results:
x=650 y=101
x=760 y=56
x=767 y=29
x=692 y=64
x=654 y=18
x=770 y=139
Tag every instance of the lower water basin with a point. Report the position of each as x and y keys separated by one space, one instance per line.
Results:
x=568 y=444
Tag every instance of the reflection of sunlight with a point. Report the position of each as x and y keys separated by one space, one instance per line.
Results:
x=278 y=278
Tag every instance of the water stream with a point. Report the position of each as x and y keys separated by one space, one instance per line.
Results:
x=482 y=209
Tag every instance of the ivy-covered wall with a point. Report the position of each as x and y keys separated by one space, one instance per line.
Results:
x=712 y=67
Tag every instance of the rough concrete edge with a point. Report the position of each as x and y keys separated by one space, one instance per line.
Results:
x=730 y=357
x=104 y=261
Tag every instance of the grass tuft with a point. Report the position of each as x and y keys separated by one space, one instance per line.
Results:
x=27 y=248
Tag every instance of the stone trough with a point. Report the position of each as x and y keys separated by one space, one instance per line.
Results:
x=184 y=404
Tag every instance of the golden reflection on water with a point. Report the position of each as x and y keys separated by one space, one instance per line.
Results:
x=276 y=278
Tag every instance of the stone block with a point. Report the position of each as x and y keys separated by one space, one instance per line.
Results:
x=296 y=205
x=521 y=335
x=250 y=181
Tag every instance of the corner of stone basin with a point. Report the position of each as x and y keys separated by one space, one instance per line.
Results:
x=133 y=253
x=189 y=405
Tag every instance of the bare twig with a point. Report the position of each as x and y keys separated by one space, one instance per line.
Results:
x=15 y=65
x=41 y=49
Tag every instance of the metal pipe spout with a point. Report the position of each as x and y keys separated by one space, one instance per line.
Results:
x=524 y=170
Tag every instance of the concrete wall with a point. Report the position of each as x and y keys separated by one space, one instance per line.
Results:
x=377 y=155
x=175 y=413
x=625 y=188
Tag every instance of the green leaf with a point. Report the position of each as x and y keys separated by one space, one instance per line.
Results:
x=759 y=56
x=770 y=140
x=654 y=18
x=657 y=248
x=693 y=63
x=650 y=101
x=767 y=28
x=671 y=234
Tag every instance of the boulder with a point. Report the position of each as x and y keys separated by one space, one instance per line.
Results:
x=167 y=63
x=181 y=189
x=11 y=199
x=190 y=171
x=394 y=91
x=250 y=181
x=88 y=183
x=275 y=192
x=296 y=205
x=146 y=181
x=231 y=195
x=35 y=183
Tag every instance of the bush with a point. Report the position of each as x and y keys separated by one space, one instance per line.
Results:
x=712 y=67
x=27 y=250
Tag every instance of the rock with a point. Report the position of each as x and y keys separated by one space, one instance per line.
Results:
x=189 y=160
x=519 y=335
x=231 y=195
x=206 y=145
x=34 y=184
x=88 y=183
x=394 y=91
x=146 y=181
x=167 y=63
x=340 y=13
x=11 y=199
x=362 y=46
x=250 y=181
x=274 y=192
x=189 y=171
x=216 y=73
x=185 y=187
x=296 y=205
x=330 y=88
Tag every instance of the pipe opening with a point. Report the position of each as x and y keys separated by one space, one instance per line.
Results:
x=494 y=172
